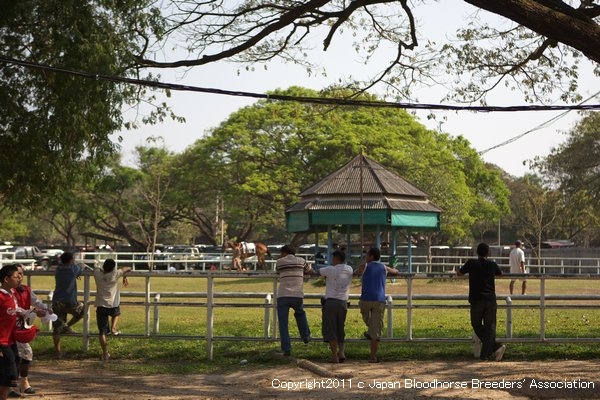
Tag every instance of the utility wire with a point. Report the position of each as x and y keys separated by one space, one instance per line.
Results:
x=300 y=99
x=536 y=128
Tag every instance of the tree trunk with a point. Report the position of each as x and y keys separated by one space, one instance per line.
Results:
x=553 y=19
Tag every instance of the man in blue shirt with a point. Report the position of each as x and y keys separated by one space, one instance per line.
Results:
x=64 y=300
x=372 y=297
x=482 y=297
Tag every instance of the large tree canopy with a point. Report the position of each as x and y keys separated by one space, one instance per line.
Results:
x=261 y=158
x=54 y=127
x=537 y=53
x=575 y=164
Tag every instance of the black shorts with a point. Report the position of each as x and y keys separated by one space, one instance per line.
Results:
x=8 y=366
x=102 y=314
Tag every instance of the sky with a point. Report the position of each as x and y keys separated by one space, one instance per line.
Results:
x=483 y=130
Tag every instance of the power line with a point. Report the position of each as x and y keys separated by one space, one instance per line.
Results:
x=300 y=99
x=536 y=128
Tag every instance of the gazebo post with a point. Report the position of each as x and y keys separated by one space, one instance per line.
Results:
x=316 y=250
x=378 y=236
x=329 y=244
x=348 y=246
x=409 y=252
x=394 y=244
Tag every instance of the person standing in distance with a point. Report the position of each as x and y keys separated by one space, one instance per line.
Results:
x=9 y=280
x=290 y=294
x=516 y=261
x=338 y=278
x=372 y=297
x=64 y=300
x=482 y=298
x=108 y=299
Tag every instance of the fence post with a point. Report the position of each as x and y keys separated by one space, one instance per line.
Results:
x=390 y=315
x=509 y=322
x=50 y=296
x=147 y=304
x=209 y=316
x=156 y=327
x=409 y=308
x=542 y=308
x=86 y=314
x=267 y=315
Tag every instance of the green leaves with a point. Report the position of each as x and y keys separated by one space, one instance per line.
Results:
x=57 y=126
x=264 y=155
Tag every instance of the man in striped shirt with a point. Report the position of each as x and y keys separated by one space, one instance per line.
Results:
x=290 y=294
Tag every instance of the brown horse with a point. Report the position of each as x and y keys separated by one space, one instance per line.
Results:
x=244 y=250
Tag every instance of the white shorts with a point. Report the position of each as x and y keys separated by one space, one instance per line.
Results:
x=518 y=270
x=25 y=351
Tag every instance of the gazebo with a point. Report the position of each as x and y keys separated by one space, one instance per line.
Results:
x=363 y=195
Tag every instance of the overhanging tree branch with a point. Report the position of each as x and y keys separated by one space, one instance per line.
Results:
x=553 y=19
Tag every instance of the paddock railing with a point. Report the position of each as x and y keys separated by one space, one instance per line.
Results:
x=155 y=303
x=173 y=262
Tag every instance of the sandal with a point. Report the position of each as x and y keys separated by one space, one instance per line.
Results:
x=374 y=360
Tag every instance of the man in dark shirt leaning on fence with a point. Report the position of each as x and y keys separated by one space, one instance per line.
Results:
x=482 y=297
x=290 y=294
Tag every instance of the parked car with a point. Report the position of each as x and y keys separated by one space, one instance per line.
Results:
x=53 y=256
x=41 y=259
x=182 y=257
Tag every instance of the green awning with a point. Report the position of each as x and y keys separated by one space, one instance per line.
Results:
x=308 y=221
x=348 y=217
x=413 y=219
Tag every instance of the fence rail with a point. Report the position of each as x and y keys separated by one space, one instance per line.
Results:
x=155 y=301
x=421 y=264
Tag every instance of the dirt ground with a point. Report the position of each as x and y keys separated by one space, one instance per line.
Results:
x=350 y=380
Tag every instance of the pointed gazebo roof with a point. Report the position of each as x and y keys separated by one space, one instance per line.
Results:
x=387 y=200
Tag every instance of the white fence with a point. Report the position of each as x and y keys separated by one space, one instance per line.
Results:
x=222 y=262
x=154 y=304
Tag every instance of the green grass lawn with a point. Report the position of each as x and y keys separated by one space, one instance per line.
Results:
x=170 y=355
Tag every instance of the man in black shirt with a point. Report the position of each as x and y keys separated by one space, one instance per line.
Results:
x=482 y=297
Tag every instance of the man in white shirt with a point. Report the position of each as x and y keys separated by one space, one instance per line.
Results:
x=516 y=261
x=338 y=278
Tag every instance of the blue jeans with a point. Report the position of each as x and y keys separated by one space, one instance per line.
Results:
x=283 y=310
